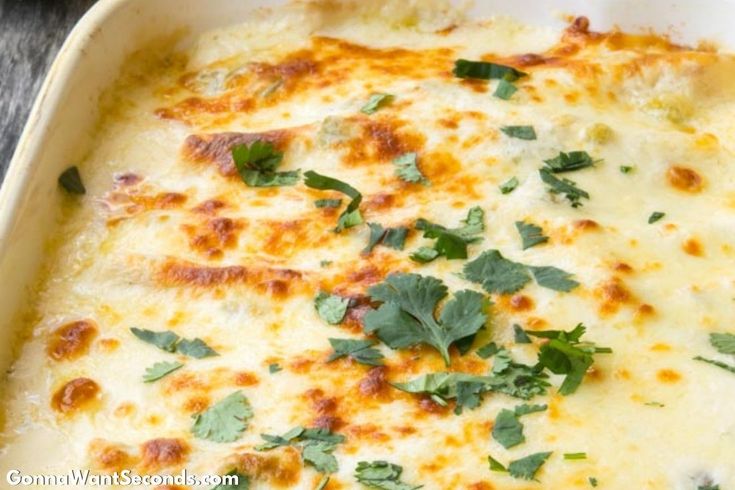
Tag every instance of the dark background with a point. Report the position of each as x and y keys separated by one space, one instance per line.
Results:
x=31 y=33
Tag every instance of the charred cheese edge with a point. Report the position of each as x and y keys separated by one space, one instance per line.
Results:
x=168 y=237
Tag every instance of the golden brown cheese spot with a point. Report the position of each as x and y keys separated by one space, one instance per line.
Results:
x=196 y=404
x=71 y=341
x=108 y=456
x=375 y=383
x=684 y=179
x=278 y=282
x=371 y=432
x=163 y=453
x=668 y=376
x=210 y=206
x=482 y=485
x=613 y=294
x=281 y=468
x=381 y=141
x=125 y=409
x=75 y=395
x=245 y=378
x=693 y=247
x=216 y=148
x=622 y=267
x=586 y=225
x=325 y=409
x=214 y=235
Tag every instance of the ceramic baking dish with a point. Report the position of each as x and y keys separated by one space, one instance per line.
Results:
x=58 y=130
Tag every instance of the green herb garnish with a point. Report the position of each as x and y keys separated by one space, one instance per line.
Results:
x=170 y=342
x=331 y=307
x=575 y=456
x=520 y=132
x=351 y=215
x=225 y=420
x=520 y=335
x=564 y=186
x=274 y=368
x=375 y=102
x=568 y=162
x=407 y=168
x=505 y=89
x=407 y=314
x=524 y=468
x=71 y=181
x=160 y=370
x=316 y=446
x=531 y=235
x=390 y=237
x=361 y=351
x=655 y=216
x=483 y=70
x=381 y=475
x=626 y=169
x=242 y=482
x=509 y=185
x=450 y=242
x=328 y=203
x=257 y=162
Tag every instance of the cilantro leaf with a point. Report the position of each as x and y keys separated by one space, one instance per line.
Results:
x=274 y=368
x=723 y=342
x=495 y=465
x=375 y=102
x=160 y=370
x=719 y=364
x=593 y=482
x=195 y=348
x=323 y=483
x=407 y=168
x=505 y=89
x=170 y=342
x=445 y=386
x=564 y=186
x=531 y=235
x=655 y=216
x=565 y=354
x=450 y=243
x=390 y=237
x=381 y=475
x=507 y=429
x=553 y=278
x=487 y=350
x=520 y=132
x=256 y=163
x=406 y=316
x=243 y=482
x=484 y=70
x=526 y=409
x=328 y=203
x=225 y=420
x=469 y=395
x=351 y=215
x=520 y=335
x=708 y=486
x=330 y=307
x=361 y=351
x=316 y=446
x=526 y=468
x=509 y=185
x=515 y=379
x=568 y=162
x=496 y=273
x=626 y=169
x=71 y=181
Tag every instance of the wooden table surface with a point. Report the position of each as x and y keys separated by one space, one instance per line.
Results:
x=31 y=33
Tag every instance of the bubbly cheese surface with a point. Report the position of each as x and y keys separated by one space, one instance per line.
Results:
x=169 y=237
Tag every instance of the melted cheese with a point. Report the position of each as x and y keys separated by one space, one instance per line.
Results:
x=168 y=237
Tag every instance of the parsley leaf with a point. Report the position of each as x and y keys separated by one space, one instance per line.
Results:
x=406 y=316
x=564 y=186
x=526 y=468
x=243 y=482
x=390 y=237
x=509 y=185
x=225 y=420
x=170 y=342
x=496 y=273
x=531 y=235
x=361 y=351
x=723 y=342
x=71 y=181
x=351 y=215
x=256 y=163
x=381 y=475
x=655 y=216
x=484 y=70
x=505 y=89
x=407 y=168
x=160 y=370
x=520 y=132
x=568 y=162
x=450 y=243
x=565 y=354
x=375 y=102
x=553 y=278
x=330 y=307
x=316 y=446
x=328 y=203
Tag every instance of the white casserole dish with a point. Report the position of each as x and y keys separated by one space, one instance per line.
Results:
x=61 y=122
